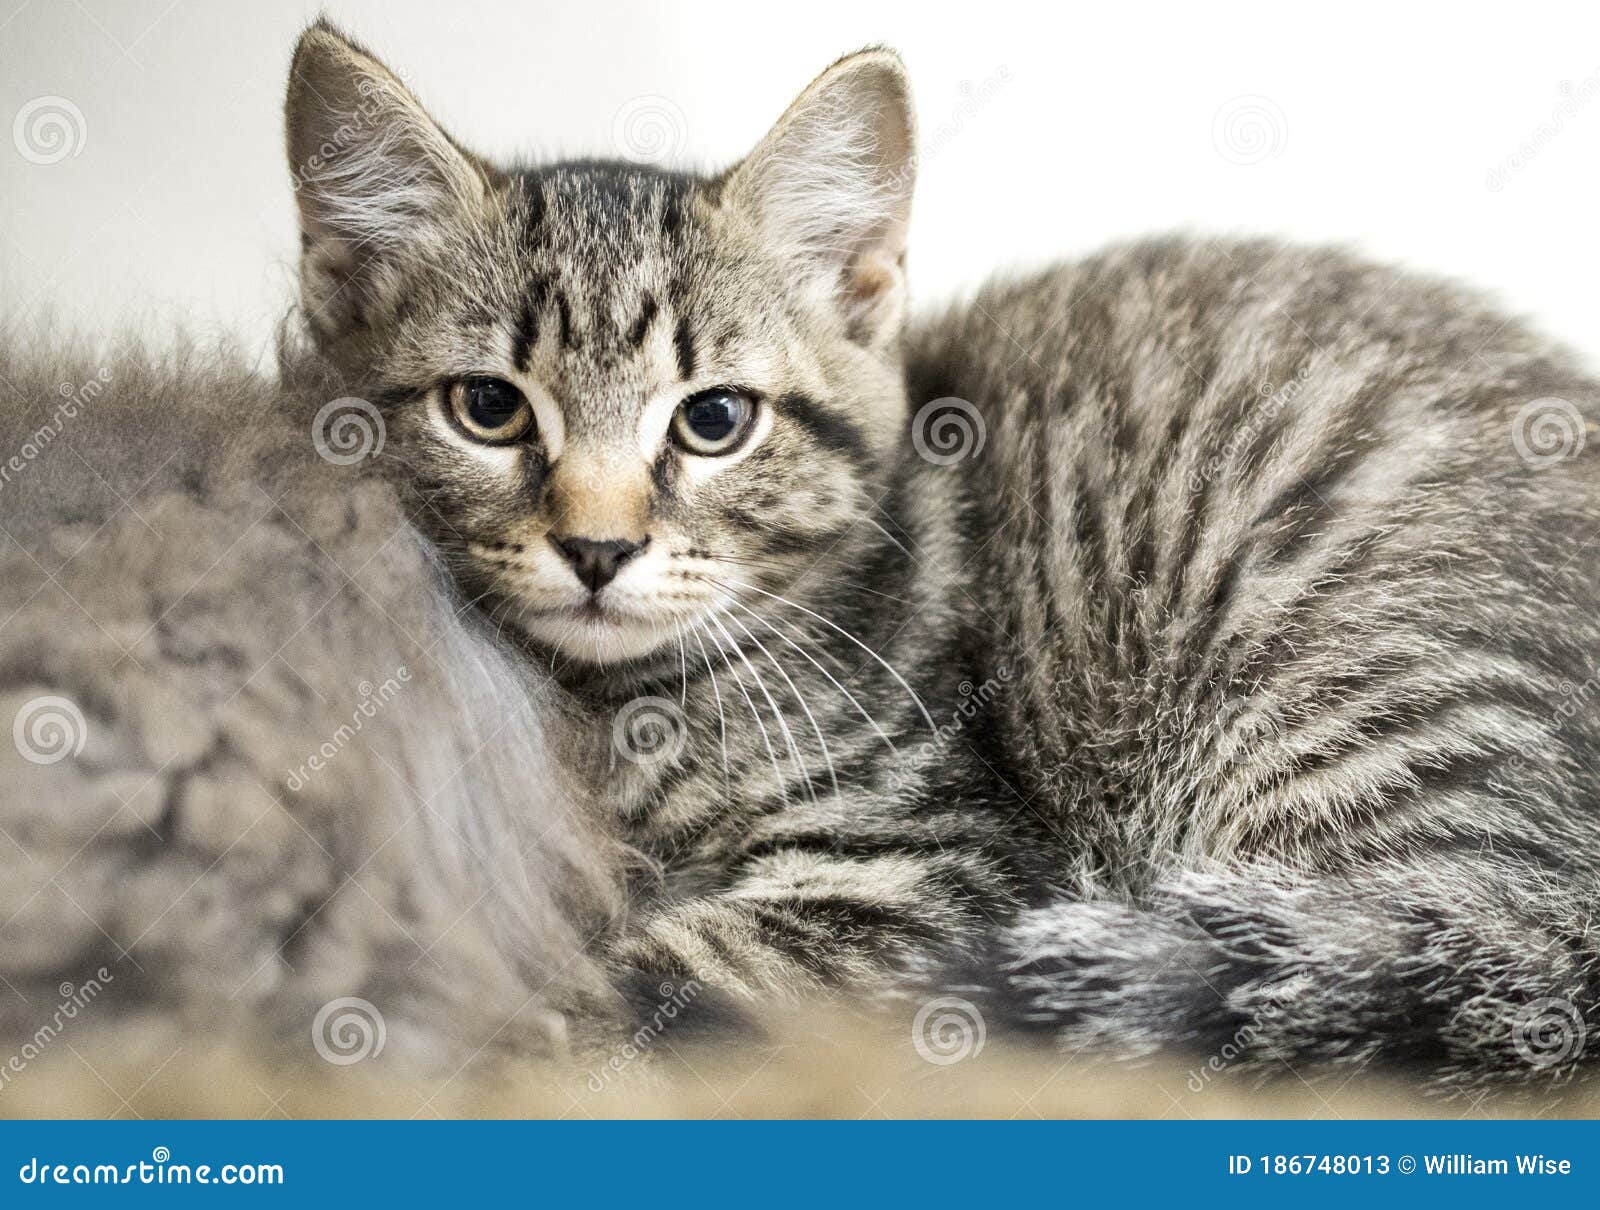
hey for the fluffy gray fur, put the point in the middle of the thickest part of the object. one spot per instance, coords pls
(216, 610)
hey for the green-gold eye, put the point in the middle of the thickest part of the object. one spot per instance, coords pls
(490, 409)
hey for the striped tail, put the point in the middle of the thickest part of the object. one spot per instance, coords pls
(1469, 973)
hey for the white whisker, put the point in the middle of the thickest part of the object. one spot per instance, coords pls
(889, 668)
(754, 713)
(722, 721)
(683, 665)
(849, 697)
(783, 725)
(890, 536)
(795, 689)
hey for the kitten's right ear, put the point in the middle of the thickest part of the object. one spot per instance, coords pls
(373, 173)
(830, 186)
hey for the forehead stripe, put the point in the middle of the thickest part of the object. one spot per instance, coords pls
(527, 334)
(683, 342)
(827, 429)
(564, 313)
(641, 326)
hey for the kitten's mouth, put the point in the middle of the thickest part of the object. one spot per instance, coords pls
(598, 631)
(593, 611)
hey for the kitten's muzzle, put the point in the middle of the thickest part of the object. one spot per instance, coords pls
(596, 563)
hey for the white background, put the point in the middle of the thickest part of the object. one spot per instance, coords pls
(1379, 126)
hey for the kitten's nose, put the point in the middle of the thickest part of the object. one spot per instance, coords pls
(597, 563)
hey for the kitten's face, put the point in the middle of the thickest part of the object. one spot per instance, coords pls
(618, 395)
(627, 370)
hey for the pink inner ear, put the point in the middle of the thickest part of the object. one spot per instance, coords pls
(873, 275)
(872, 293)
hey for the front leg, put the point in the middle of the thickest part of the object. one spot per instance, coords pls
(795, 921)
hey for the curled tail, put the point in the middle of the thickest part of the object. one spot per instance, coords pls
(1472, 972)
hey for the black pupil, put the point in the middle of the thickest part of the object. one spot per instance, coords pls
(713, 417)
(492, 403)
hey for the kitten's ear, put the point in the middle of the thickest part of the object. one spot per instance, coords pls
(831, 186)
(373, 174)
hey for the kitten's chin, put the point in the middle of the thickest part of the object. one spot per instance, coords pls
(608, 640)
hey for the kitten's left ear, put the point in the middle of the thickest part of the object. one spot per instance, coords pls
(374, 176)
(830, 186)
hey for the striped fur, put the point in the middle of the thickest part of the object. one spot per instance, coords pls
(1308, 610)
(1253, 640)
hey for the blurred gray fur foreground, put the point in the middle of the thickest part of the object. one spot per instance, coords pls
(265, 781)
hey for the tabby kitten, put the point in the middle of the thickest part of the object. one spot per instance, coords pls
(1216, 680)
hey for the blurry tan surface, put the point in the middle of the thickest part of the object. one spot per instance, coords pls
(811, 1069)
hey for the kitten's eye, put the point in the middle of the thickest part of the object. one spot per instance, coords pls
(490, 409)
(714, 422)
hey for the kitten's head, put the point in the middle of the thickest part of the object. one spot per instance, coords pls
(615, 391)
